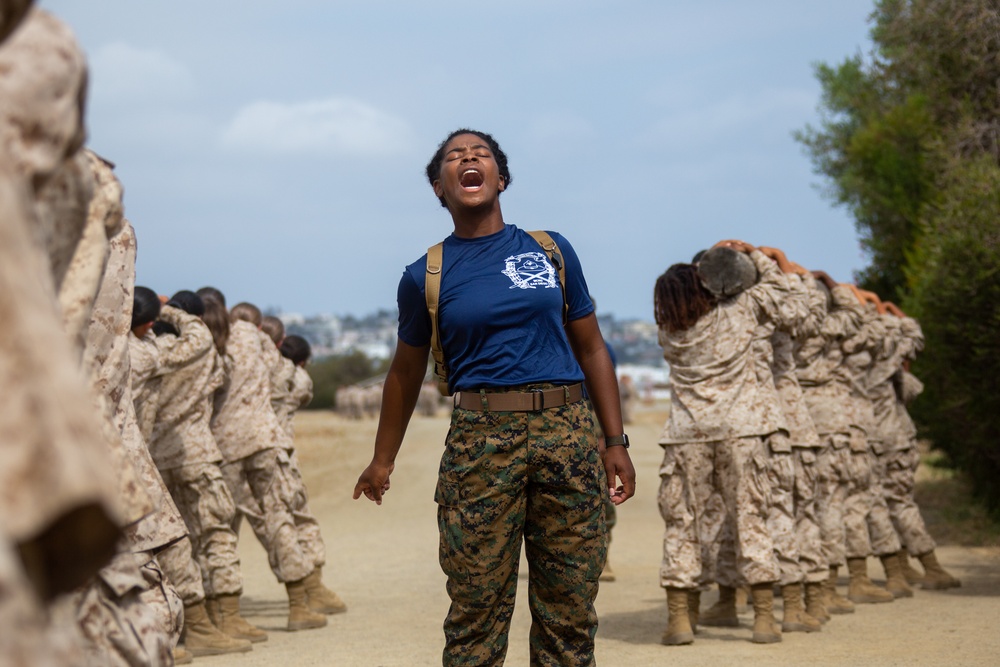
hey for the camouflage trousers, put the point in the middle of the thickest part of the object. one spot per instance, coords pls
(833, 460)
(791, 518)
(129, 615)
(206, 504)
(812, 558)
(178, 565)
(900, 468)
(868, 528)
(781, 510)
(32, 635)
(712, 492)
(306, 526)
(505, 475)
(261, 485)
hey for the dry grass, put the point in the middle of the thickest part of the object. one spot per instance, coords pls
(951, 513)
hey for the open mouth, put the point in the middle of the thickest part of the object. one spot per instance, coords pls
(471, 179)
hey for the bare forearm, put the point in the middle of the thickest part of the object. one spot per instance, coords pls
(592, 355)
(399, 397)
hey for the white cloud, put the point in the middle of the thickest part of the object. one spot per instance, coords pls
(125, 74)
(331, 127)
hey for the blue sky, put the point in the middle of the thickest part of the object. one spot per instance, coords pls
(276, 150)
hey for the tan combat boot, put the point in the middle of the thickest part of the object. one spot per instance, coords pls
(815, 606)
(895, 581)
(765, 628)
(694, 608)
(679, 629)
(936, 578)
(834, 602)
(203, 638)
(861, 589)
(743, 599)
(300, 616)
(224, 610)
(913, 576)
(321, 599)
(795, 618)
(722, 614)
(181, 656)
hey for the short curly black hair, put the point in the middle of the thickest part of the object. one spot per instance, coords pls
(434, 166)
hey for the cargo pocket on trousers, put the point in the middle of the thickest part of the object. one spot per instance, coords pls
(474, 537)
(217, 505)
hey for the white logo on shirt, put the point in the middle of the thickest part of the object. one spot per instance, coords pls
(530, 270)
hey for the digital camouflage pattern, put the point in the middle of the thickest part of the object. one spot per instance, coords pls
(808, 533)
(691, 475)
(120, 619)
(262, 488)
(508, 475)
(867, 527)
(207, 506)
(900, 470)
(243, 422)
(282, 399)
(833, 460)
(107, 355)
(715, 393)
(189, 371)
(177, 563)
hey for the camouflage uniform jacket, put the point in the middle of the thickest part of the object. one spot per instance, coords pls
(802, 431)
(244, 422)
(860, 353)
(107, 351)
(908, 387)
(280, 372)
(819, 363)
(53, 458)
(893, 433)
(714, 390)
(282, 401)
(190, 370)
(300, 396)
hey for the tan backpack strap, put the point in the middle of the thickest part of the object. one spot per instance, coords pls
(432, 294)
(552, 251)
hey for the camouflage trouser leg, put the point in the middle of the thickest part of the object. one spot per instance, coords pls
(833, 461)
(881, 530)
(119, 627)
(685, 488)
(161, 596)
(901, 467)
(691, 475)
(781, 513)
(859, 502)
(177, 563)
(807, 531)
(269, 501)
(741, 474)
(32, 635)
(504, 474)
(206, 504)
(306, 526)
(310, 538)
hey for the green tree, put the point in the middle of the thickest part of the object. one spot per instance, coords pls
(330, 373)
(909, 142)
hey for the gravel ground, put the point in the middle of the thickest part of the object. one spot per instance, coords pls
(383, 562)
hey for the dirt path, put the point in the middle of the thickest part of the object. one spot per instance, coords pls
(383, 562)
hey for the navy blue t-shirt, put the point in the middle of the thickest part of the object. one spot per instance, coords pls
(500, 310)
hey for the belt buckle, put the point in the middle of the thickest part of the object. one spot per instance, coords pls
(537, 400)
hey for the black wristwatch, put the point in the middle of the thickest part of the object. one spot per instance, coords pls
(617, 441)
